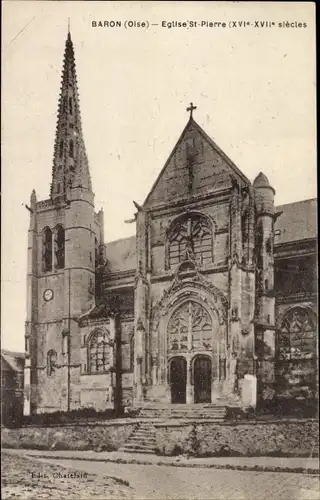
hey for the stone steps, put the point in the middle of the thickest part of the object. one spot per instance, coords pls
(208, 411)
(142, 440)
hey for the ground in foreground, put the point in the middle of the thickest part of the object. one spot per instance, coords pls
(29, 478)
(154, 482)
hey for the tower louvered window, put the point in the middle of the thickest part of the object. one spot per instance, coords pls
(190, 238)
(47, 249)
(59, 239)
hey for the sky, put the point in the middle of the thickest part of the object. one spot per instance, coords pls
(254, 88)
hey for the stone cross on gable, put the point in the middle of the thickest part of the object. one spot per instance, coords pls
(191, 108)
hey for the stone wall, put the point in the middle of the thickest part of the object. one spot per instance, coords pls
(279, 438)
(93, 436)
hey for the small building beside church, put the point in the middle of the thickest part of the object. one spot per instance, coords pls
(12, 372)
(212, 301)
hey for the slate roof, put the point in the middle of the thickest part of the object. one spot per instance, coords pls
(298, 221)
(261, 181)
(164, 190)
(121, 254)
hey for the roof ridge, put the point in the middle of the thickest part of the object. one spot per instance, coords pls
(295, 202)
(121, 239)
(7, 352)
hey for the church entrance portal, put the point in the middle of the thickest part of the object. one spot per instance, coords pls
(202, 379)
(178, 379)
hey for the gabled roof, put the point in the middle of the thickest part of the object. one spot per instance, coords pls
(212, 171)
(297, 222)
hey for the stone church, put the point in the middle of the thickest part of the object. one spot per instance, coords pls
(213, 300)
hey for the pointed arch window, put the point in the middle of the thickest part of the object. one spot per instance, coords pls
(59, 246)
(296, 351)
(296, 338)
(190, 238)
(70, 106)
(71, 149)
(99, 351)
(51, 362)
(47, 249)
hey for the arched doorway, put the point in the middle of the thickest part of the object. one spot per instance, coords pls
(202, 369)
(178, 379)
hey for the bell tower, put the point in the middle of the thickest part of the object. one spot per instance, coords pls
(64, 233)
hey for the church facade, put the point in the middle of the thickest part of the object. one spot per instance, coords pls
(213, 299)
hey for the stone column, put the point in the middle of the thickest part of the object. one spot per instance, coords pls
(30, 375)
(139, 364)
(154, 360)
(235, 273)
(112, 330)
(27, 387)
(189, 388)
(138, 380)
(142, 370)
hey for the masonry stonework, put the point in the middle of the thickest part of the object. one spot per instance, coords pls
(199, 307)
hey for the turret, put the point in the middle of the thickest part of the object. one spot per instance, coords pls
(264, 194)
(264, 207)
(265, 301)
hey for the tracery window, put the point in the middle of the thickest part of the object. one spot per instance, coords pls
(99, 356)
(47, 249)
(296, 350)
(51, 362)
(190, 327)
(59, 243)
(190, 239)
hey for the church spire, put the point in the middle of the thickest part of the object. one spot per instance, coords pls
(70, 164)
